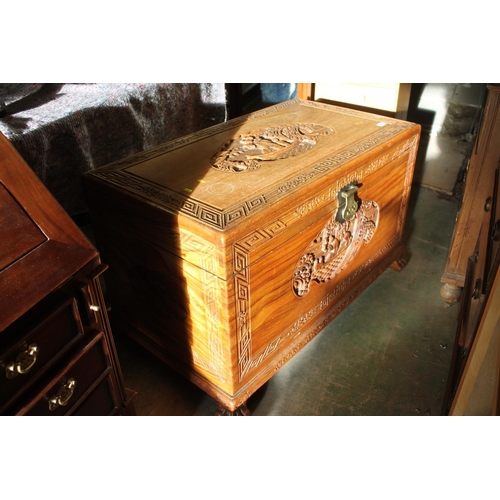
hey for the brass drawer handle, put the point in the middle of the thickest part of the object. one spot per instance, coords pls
(63, 395)
(23, 363)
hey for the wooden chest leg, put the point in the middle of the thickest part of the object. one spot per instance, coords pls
(450, 293)
(400, 263)
(241, 411)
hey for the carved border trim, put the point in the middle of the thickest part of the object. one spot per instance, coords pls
(242, 297)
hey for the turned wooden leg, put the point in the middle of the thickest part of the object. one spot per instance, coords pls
(241, 411)
(451, 293)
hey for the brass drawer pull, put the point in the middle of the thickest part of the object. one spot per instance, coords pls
(23, 363)
(63, 395)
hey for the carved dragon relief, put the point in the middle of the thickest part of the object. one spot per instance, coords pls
(248, 151)
(338, 242)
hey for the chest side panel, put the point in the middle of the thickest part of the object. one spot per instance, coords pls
(179, 305)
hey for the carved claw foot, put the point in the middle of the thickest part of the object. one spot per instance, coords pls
(450, 293)
(400, 263)
(241, 411)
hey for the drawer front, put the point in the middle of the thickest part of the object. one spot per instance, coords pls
(100, 401)
(22, 364)
(82, 374)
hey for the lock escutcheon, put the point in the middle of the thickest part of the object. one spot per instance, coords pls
(348, 204)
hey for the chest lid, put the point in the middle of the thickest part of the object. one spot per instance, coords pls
(221, 181)
(225, 173)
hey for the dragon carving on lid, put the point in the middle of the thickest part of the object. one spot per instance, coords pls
(246, 152)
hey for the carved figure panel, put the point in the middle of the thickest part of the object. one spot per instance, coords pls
(334, 247)
(249, 150)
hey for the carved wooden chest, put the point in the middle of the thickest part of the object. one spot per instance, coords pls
(231, 248)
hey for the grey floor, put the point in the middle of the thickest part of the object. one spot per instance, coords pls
(388, 353)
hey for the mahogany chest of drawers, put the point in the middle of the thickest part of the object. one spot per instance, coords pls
(57, 355)
(231, 248)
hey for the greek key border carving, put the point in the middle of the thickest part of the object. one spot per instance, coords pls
(242, 298)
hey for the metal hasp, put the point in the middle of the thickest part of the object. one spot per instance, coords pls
(348, 204)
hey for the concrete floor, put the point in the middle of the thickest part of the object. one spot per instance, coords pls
(388, 353)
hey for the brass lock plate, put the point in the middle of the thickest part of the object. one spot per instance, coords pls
(348, 202)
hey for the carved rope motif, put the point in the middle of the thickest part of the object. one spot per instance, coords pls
(334, 247)
(277, 143)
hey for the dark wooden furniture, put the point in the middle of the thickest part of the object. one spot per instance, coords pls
(478, 203)
(57, 355)
(477, 387)
(474, 254)
(231, 248)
